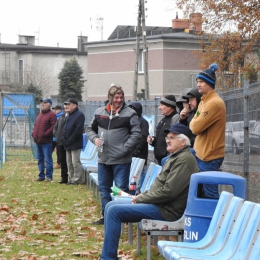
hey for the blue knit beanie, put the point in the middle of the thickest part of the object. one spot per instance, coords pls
(209, 75)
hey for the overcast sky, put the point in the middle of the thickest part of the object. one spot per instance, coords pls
(55, 22)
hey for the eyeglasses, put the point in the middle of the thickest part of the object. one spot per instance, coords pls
(170, 138)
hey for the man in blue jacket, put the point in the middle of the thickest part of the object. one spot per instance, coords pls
(58, 112)
(141, 150)
(73, 140)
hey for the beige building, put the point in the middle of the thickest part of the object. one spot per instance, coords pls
(171, 65)
(24, 63)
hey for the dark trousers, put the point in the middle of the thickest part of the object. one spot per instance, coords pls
(63, 162)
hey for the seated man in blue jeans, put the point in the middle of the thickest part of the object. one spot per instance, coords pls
(166, 200)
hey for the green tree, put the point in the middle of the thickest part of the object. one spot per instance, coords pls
(71, 81)
(34, 90)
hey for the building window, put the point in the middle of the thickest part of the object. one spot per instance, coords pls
(141, 61)
(20, 68)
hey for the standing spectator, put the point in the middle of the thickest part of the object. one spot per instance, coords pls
(58, 133)
(141, 150)
(165, 200)
(168, 109)
(209, 124)
(73, 140)
(42, 135)
(58, 112)
(181, 102)
(121, 131)
(193, 98)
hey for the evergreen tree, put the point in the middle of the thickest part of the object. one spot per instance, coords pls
(71, 81)
(36, 91)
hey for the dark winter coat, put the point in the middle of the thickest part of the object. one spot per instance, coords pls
(58, 129)
(195, 93)
(121, 133)
(57, 117)
(141, 149)
(159, 143)
(43, 127)
(73, 130)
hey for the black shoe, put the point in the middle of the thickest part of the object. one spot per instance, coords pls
(40, 179)
(72, 183)
(62, 181)
(98, 222)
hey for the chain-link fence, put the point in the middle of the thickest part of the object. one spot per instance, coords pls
(243, 136)
(242, 129)
(18, 113)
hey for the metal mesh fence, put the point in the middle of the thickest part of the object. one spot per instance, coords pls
(242, 130)
(243, 136)
(19, 113)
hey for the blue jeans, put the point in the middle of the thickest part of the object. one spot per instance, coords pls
(44, 154)
(210, 190)
(107, 174)
(123, 211)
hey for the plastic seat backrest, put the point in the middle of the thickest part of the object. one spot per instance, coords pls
(147, 176)
(249, 236)
(154, 174)
(254, 253)
(219, 240)
(165, 159)
(138, 170)
(217, 220)
(134, 164)
(89, 152)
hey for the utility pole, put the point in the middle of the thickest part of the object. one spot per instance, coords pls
(137, 50)
(141, 30)
(145, 54)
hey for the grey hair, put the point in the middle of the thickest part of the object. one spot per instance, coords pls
(186, 138)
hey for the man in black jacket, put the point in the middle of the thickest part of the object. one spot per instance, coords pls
(58, 133)
(73, 140)
(193, 98)
(141, 150)
(168, 109)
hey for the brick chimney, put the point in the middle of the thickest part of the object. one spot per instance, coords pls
(194, 23)
(180, 23)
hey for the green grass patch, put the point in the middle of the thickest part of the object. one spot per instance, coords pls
(41, 220)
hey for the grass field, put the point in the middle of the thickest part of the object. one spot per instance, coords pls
(41, 220)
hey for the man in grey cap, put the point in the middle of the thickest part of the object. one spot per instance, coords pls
(72, 140)
(42, 135)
